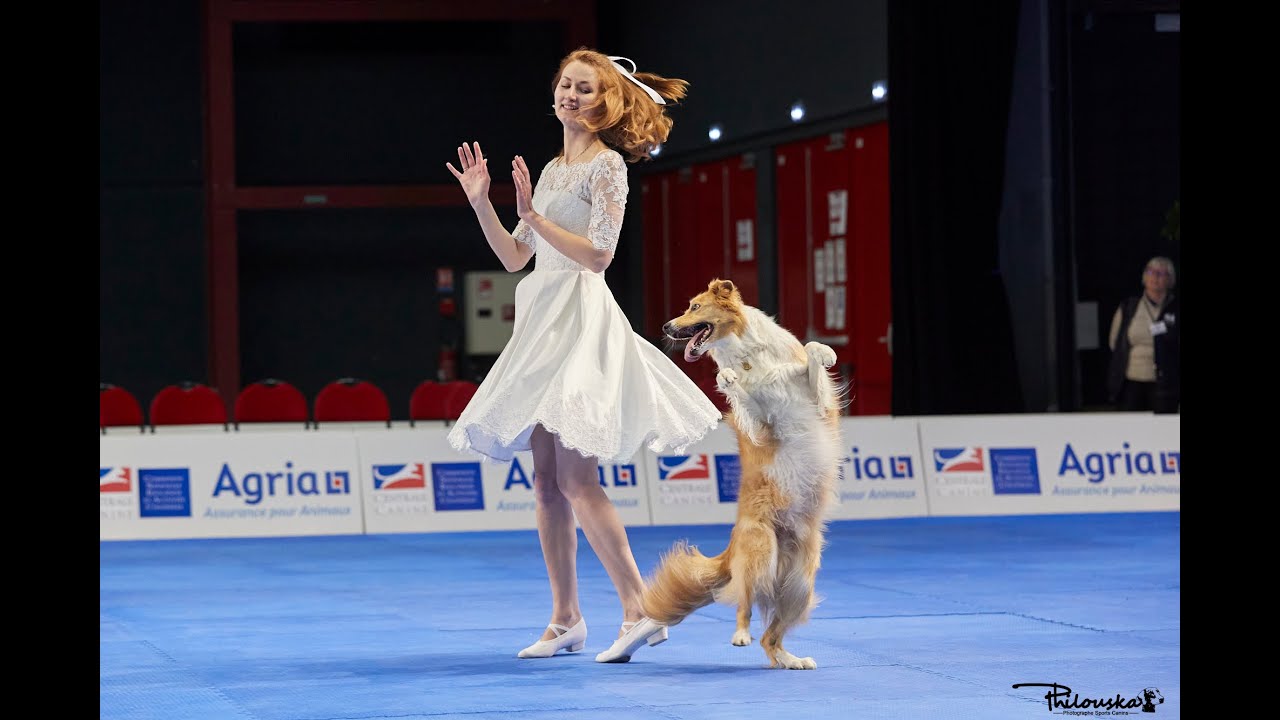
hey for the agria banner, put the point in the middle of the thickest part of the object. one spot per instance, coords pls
(319, 482)
(228, 485)
(697, 485)
(414, 481)
(880, 474)
(1086, 462)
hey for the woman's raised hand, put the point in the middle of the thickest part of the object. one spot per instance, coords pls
(474, 177)
(524, 188)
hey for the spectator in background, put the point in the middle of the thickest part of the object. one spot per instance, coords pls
(1145, 372)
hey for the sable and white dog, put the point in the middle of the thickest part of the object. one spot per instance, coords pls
(784, 409)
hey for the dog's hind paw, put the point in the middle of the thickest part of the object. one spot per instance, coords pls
(821, 354)
(741, 638)
(725, 378)
(791, 662)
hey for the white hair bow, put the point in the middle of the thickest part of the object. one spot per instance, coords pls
(651, 92)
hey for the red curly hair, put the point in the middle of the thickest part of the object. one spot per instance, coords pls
(624, 116)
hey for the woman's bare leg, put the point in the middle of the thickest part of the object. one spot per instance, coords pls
(580, 482)
(556, 532)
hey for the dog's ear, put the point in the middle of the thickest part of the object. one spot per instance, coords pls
(723, 289)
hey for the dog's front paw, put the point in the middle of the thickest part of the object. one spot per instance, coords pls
(820, 354)
(741, 638)
(725, 378)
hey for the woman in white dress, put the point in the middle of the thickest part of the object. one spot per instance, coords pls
(575, 385)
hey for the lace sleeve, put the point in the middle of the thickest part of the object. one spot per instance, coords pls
(524, 234)
(608, 185)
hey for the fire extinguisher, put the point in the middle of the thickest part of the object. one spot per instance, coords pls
(447, 366)
(447, 363)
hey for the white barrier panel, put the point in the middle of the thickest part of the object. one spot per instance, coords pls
(414, 481)
(228, 485)
(881, 475)
(698, 486)
(245, 484)
(1044, 464)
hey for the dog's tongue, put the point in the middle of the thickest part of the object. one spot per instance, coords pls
(688, 349)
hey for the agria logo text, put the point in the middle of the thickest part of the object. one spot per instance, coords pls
(254, 485)
(875, 467)
(1098, 466)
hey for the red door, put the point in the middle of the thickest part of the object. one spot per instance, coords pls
(871, 301)
(653, 190)
(742, 257)
(671, 261)
(833, 254)
(724, 196)
(791, 198)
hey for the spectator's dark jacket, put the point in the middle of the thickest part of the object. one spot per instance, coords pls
(1167, 350)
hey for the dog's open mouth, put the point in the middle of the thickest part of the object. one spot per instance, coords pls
(698, 334)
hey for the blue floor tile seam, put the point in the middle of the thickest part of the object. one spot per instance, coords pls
(895, 615)
(907, 593)
(402, 716)
(157, 650)
(1052, 622)
(964, 681)
(632, 706)
(1099, 588)
(627, 708)
(186, 670)
(1022, 698)
(939, 598)
(416, 715)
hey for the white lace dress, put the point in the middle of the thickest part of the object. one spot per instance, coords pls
(573, 363)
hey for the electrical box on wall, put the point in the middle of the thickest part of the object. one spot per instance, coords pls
(490, 300)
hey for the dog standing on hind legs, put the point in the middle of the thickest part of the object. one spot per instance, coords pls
(784, 407)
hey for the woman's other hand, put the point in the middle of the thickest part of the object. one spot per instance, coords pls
(524, 189)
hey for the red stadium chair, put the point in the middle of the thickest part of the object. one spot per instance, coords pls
(428, 402)
(459, 394)
(271, 404)
(353, 402)
(188, 406)
(118, 409)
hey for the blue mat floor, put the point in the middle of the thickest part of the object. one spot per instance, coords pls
(920, 618)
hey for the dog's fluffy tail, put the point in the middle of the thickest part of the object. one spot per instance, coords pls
(684, 581)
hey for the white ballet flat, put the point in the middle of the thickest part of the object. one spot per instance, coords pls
(573, 639)
(634, 634)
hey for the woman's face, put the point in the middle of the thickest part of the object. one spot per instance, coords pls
(576, 88)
